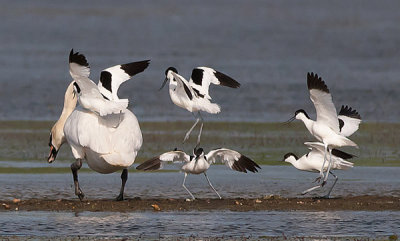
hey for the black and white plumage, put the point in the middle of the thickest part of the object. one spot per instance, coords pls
(329, 128)
(107, 143)
(200, 162)
(313, 161)
(102, 98)
(193, 95)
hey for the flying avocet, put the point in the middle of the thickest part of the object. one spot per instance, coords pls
(329, 128)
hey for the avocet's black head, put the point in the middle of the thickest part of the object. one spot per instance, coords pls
(301, 111)
(287, 156)
(296, 116)
(166, 75)
(173, 69)
(198, 151)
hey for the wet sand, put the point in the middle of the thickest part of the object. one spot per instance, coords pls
(269, 203)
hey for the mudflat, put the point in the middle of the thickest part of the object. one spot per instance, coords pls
(276, 203)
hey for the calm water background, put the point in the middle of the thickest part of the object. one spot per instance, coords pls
(268, 46)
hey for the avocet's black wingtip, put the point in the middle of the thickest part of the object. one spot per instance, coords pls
(349, 112)
(135, 67)
(77, 58)
(316, 82)
(225, 80)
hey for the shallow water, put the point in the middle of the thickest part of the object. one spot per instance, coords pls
(278, 180)
(268, 46)
(200, 224)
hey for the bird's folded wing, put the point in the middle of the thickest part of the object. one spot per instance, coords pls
(111, 78)
(183, 85)
(202, 77)
(349, 120)
(322, 99)
(158, 162)
(232, 159)
(319, 147)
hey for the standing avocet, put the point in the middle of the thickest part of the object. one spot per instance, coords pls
(329, 128)
(200, 162)
(193, 95)
(314, 162)
(101, 130)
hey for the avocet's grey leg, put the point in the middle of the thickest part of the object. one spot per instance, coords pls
(334, 183)
(329, 167)
(321, 172)
(311, 189)
(183, 185)
(74, 168)
(201, 129)
(191, 129)
(124, 178)
(209, 183)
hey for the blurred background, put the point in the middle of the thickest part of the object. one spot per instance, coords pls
(268, 46)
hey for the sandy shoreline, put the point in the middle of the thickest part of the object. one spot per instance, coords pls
(276, 203)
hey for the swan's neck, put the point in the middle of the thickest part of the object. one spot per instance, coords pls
(57, 131)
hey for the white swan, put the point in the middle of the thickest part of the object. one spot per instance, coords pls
(108, 142)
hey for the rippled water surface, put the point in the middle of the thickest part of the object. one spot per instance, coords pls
(201, 224)
(279, 180)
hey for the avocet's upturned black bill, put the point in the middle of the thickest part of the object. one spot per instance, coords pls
(199, 162)
(193, 95)
(102, 131)
(313, 161)
(329, 127)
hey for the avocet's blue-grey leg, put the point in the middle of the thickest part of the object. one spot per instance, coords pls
(334, 183)
(74, 168)
(183, 185)
(191, 129)
(201, 129)
(321, 172)
(124, 178)
(329, 167)
(311, 189)
(209, 183)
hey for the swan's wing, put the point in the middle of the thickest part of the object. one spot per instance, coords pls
(322, 99)
(111, 78)
(349, 120)
(157, 163)
(182, 84)
(202, 77)
(78, 65)
(232, 159)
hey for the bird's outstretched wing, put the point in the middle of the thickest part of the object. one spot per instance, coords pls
(322, 99)
(232, 159)
(78, 65)
(157, 163)
(202, 77)
(349, 120)
(88, 93)
(111, 78)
